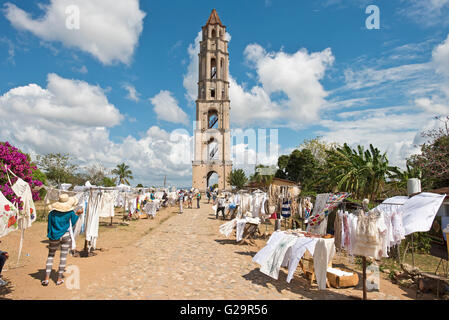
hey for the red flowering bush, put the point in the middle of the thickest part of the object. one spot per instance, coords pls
(20, 164)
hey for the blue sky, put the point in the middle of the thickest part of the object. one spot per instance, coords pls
(117, 89)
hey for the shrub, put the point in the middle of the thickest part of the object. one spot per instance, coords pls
(20, 164)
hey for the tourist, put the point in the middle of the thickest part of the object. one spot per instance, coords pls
(214, 197)
(208, 196)
(145, 202)
(61, 220)
(181, 200)
(198, 198)
(221, 207)
(3, 257)
(152, 197)
(189, 199)
(165, 199)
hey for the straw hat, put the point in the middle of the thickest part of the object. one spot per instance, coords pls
(64, 204)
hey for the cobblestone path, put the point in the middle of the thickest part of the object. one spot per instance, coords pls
(187, 258)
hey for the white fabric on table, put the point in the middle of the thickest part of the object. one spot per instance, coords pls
(226, 228)
(324, 252)
(297, 252)
(266, 251)
(272, 265)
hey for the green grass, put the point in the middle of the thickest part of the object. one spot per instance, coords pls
(425, 263)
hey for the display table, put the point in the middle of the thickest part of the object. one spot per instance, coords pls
(288, 249)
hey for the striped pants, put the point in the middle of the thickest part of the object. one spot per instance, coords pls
(65, 243)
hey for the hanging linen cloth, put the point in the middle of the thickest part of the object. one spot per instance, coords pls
(286, 209)
(28, 213)
(419, 212)
(226, 228)
(93, 219)
(83, 200)
(150, 208)
(23, 190)
(324, 205)
(107, 205)
(8, 216)
(368, 238)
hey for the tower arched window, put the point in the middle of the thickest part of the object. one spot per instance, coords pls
(213, 68)
(222, 69)
(212, 149)
(212, 119)
(214, 33)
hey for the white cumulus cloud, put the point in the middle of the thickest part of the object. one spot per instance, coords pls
(72, 116)
(440, 57)
(295, 76)
(167, 109)
(109, 30)
(133, 94)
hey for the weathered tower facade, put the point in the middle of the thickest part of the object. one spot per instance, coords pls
(212, 131)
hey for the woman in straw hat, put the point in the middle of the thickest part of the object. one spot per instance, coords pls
(61, 220)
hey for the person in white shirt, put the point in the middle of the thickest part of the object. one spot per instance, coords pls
(221, 203)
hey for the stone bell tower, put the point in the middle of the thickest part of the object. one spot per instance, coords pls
(212, 133)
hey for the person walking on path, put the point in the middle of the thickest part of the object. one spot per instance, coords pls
(221, 206)
(198, 198)
(181, 200)
(61, 221)
(165, 200)
(3, 257)
(190, 199)
(208, 196)
(214, 197)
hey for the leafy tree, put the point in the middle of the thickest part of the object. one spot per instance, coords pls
(300, 166)
(96, 174)
(108, 182)
(318, 148)
(433, 160)
(139, 186)
(57, 167)
(237, 178)
(39, 175)
(400, 178)
(264, 179)
(123, 173)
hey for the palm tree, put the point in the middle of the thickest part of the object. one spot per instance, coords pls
(123, 173)
(399, 178)
(363, 173)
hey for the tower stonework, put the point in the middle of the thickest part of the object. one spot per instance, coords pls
(212, 131)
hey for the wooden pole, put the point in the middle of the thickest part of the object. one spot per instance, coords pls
(413, 253)
(364, 277)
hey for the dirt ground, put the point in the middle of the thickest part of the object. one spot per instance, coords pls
(161, 259)
(116, 243)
